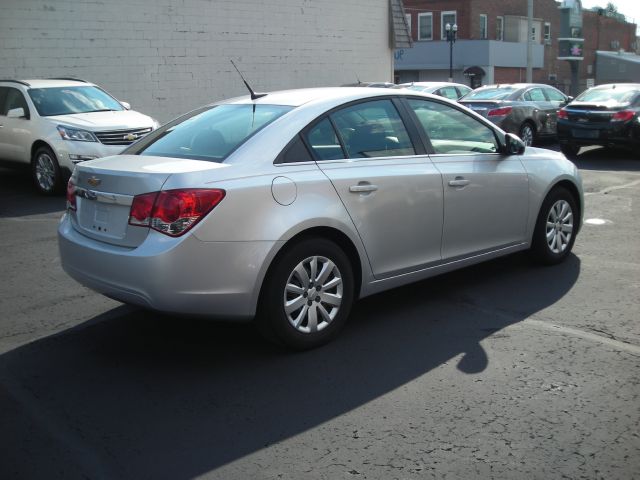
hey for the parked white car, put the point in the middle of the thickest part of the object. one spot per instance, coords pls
(54, 124)
(452, 91)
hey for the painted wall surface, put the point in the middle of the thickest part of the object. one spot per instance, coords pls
(167, 57)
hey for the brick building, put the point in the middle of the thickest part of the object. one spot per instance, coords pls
(492, 36)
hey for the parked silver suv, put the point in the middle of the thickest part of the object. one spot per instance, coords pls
(56, 123)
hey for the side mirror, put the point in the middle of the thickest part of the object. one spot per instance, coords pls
(126, 105)
(513, 144)
(16, 113)
(569, 99)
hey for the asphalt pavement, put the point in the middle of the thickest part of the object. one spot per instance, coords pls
(502, 370)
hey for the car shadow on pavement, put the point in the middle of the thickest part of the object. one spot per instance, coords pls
(133, 394)
(18, 196)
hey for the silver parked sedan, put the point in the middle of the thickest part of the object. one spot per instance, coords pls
(289, 207)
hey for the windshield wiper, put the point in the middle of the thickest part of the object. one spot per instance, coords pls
(102, 110)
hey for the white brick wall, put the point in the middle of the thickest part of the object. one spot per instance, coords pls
(166, 57)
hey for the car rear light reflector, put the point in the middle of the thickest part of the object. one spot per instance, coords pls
(173, 212)
(563, 114)
(499, 112)
(71, 195)
(623, 116)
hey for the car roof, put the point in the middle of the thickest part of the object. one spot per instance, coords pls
(298, 97)
(616, 85)
(48, 83)
(514, 85)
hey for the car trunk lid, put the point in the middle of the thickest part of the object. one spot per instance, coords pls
(105, 188)
(593, 112)
(483, 108)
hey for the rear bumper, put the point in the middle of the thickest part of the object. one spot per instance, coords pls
(184, 275)
(625, 134)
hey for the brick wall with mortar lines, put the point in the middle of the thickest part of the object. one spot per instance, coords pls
(167, 57)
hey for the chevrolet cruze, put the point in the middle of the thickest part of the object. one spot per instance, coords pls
(288, 207)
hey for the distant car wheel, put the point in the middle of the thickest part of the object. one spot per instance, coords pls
(556, 227)
(307, 296)
(527, 134)
(46, 172)
(570, 150)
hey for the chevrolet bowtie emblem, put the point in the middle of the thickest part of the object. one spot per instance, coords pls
(94, 181)
(130, 136)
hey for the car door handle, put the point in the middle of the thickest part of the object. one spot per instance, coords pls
(458, 182)
(363, 188)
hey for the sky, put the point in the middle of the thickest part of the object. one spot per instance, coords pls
(629, 8)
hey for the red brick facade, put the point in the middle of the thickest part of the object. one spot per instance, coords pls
(598, 32)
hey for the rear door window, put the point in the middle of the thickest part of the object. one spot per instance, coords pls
(448, 92)
(324, 142)
(373, 129)
(534, 95)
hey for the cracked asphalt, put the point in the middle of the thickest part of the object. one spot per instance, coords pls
(503, 370)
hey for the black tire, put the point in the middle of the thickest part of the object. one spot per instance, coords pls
(543, 247)
(274, 322)
(570, 150)
(527, 134)
(46, 172)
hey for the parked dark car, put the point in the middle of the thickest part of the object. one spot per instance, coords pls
(606, 115)
(527, 109)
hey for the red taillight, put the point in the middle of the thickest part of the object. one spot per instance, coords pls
(563, 114)
(173, 212)
(498, 112)
(623, 116)
(71, 195)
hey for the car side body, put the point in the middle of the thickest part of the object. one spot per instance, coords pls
(398, 218)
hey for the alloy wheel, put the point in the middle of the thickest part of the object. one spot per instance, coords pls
(313, 294)
(559, 227)
(526, 135)
(45, 172)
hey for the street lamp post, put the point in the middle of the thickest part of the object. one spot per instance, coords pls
(451, 38)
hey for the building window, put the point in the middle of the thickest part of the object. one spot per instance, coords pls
(533, 34)
(447, 17)
(408, 19)
(500, 28)
(483, 26)
(425, 26)
(547, 32)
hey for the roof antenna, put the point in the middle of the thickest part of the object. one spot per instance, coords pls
(254, 95)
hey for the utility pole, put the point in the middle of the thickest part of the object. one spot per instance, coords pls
(529, 41)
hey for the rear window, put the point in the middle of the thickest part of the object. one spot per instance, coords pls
(212, 134)
(619, 94)
(490, 94)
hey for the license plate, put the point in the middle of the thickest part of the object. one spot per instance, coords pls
(585, 133)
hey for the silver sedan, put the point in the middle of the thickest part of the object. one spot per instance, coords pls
(289, 207)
